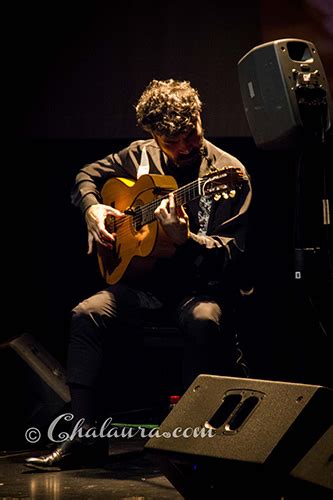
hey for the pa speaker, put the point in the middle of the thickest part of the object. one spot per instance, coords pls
(285, 93)
(248, 437)
(34, 390)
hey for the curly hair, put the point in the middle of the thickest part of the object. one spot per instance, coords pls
(168, 107)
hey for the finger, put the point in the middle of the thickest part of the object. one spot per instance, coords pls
(163, 214)
(101, 230)
(108, 210)
(90, 243)
(114, 212)
(103, 240)
(172, 204)
(181, 212)
(161, 211)
(164, 204)
(106, 237)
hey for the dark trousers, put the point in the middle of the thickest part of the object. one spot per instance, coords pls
(97, 321)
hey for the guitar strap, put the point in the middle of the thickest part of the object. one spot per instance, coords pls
(144, 163)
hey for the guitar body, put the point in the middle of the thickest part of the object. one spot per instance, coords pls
(138, 245)
(140, 239)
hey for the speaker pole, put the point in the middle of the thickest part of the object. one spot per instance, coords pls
(288, 107)
(312, 102)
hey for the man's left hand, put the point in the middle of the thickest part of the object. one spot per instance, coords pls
(174, 220)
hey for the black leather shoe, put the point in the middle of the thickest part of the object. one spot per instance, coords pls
(73, 454)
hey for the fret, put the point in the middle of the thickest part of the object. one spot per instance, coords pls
(145, 214)
(131, 241)
(182, 196)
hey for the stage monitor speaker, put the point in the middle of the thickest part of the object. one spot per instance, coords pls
(248, 437)
(34, 390)
(285, 93)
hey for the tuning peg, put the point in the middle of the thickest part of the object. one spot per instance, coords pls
(225, 195)
(217, 197)
(232, 193)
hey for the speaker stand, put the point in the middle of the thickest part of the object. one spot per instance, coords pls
(313, 268)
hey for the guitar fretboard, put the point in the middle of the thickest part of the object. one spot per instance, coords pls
(182, 196)
(219, 182)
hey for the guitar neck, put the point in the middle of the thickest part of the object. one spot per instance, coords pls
(182, 195)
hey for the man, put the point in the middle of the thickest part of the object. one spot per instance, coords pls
(197, 280)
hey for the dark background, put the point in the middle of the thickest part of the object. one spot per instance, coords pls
(74, 76)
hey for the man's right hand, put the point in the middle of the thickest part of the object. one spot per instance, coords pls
(95, 218)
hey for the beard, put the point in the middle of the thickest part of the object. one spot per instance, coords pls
(194, 158)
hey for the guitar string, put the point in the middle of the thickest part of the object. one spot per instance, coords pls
(121, 229)
(191, 188)
(148, 210)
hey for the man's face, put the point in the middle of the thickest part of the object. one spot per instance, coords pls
(183, 149)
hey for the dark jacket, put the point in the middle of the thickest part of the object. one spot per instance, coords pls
(210, 258)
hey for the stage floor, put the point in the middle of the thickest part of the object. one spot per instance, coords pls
(128, 474)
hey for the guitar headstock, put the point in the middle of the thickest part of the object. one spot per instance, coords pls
(224, 182)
